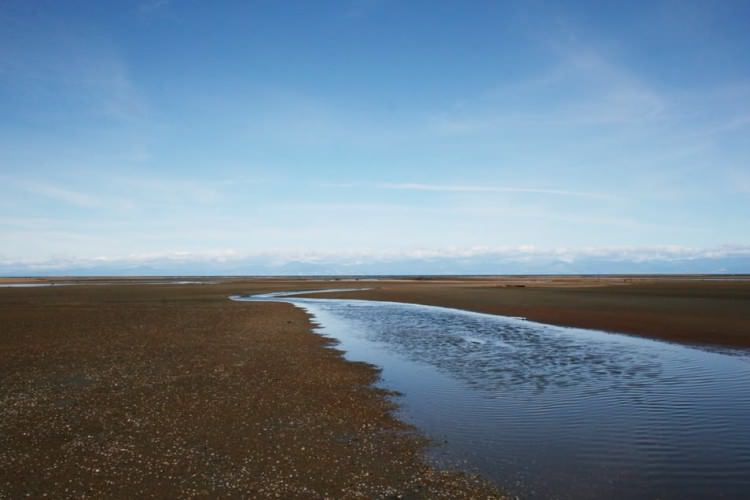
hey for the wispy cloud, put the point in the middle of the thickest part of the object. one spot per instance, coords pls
(491, 189)
(172, 191)
(64, 195)
(361, 8)
(468, 188)
(91, 189)
(85, 72)
(740, 179)
(70, 196)
(150, 6)
(583, 88)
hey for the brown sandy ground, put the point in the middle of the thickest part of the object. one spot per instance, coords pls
(173, 391)
(690, 309)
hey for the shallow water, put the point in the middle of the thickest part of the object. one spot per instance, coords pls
(552, 412)
(105, 283)
(28, 285)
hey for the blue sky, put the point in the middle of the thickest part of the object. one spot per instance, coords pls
(372, 130)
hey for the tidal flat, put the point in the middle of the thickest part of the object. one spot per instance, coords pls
(163, 387)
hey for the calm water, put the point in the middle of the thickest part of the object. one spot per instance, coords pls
(551, 412)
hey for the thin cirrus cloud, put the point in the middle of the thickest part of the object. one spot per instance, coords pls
(464, 188)
(584, 88)
(70, 196)
(119, 193)
(69, 73)
(151, 6)
(491, 189)
(63, 195)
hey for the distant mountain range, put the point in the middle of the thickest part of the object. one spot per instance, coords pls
(724, 260)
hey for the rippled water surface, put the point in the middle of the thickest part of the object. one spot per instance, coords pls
(551, 412)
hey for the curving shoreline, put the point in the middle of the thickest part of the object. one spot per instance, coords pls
(691, 310)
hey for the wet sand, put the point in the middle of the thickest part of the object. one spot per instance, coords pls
(166, 390)
(712, 310)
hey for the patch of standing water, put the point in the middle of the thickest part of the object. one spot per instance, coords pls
(552, 412)
(29, 285)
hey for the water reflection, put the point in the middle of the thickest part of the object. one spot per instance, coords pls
(493, 353)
